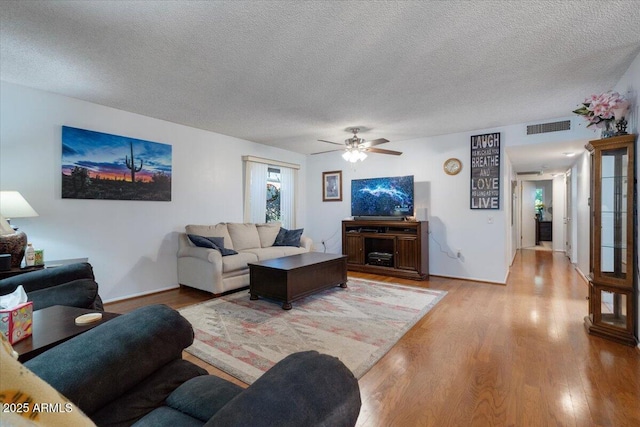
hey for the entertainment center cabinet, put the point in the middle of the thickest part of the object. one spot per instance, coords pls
(393, 248)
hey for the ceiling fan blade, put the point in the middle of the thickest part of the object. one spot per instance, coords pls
(331, 142)
(381, 151)
(322, 152)
(374, 142)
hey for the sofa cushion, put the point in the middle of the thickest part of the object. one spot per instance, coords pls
(244, 236)
(288, 237)
(275, 252)
(218, 230)
(237, 262)
(268, 233)
(216, 243)
(147, 395)
(166, 416)
(202, 397)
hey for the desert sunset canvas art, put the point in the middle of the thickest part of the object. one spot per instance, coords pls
(98, 165)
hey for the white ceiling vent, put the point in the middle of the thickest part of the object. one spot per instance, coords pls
(549, 127)
(529, 173)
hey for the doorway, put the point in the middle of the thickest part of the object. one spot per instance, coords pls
(536, 214)
(568, 214)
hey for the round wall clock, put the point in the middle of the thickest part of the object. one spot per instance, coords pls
(452, 166)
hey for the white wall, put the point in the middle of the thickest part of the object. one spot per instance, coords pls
(581, 173)
(487, 248)
(132, 245)
(512, 202)
(559, 191)
(572, 230)
(629, 85)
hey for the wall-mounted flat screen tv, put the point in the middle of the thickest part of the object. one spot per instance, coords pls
(382, 197)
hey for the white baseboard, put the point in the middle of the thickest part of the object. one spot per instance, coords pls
(472, 279)
(584, 276)
(141, 294)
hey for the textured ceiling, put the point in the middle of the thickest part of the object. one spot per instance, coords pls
(289, 73)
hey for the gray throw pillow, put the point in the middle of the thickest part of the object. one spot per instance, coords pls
(288, 237)
(216, 243)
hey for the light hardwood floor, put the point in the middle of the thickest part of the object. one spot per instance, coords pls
(492, 355)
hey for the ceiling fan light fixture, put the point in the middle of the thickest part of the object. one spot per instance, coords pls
(353, 155)
(356, 147)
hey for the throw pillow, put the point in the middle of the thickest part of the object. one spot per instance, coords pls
(288, 237)
(218, 230)
(216, 243)
(206, 242)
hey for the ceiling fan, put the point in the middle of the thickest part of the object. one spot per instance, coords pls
(356, 147)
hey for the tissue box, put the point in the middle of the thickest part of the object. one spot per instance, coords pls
(16, 322)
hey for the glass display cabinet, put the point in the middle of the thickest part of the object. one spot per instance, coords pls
(612, 279)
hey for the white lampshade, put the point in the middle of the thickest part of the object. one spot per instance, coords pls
(13, 205)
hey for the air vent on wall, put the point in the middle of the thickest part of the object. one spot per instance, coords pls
(549, 127)
(529, 173)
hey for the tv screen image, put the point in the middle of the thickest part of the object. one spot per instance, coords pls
(387, 197)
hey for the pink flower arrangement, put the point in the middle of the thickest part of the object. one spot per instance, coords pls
(601, 110)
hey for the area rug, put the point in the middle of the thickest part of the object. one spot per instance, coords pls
(358, 325)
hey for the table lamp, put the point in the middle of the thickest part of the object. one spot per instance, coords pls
(12, 241)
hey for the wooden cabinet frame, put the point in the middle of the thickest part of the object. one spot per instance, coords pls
(613, 248)
(406, 241)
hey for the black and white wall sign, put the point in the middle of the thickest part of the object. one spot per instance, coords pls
(485, 171)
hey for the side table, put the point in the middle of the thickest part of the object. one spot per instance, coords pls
(52, 326)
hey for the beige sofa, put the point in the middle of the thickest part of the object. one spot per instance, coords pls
(208, 270)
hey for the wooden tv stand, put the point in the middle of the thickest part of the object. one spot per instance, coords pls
(392, 248)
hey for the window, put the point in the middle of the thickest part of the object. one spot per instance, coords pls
(273, 195)
(270, 189)
(539, 201)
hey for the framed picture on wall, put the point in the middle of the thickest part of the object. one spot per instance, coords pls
(98, 165)
(485, 171)
(332, 186)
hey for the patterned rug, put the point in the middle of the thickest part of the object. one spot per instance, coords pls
(358, 325)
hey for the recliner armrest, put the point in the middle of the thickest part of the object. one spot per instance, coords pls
(47, 277)
(303, 389)
(81, 293)
(105, 362)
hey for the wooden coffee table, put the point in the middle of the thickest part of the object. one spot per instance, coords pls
(292, 277)
(52, 326)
